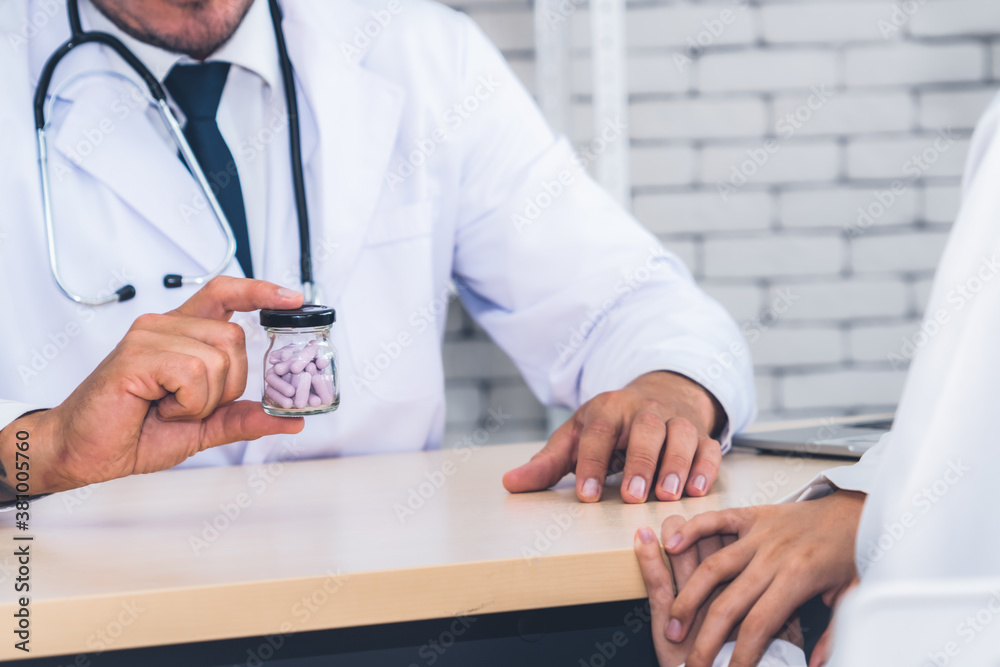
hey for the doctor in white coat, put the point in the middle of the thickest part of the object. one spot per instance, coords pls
(426, 165)
(916, 508)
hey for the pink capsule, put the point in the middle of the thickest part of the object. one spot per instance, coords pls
(311, 368)
(282, 368)
(302, 382)
(315, 401)
(301, 359)
(282, 386)
(323, 385)
(282, 354)
(322, 362)
(277, 398)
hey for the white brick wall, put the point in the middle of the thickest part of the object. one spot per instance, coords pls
(893, 81)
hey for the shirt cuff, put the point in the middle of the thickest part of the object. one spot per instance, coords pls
(859, 477)
(779, 654)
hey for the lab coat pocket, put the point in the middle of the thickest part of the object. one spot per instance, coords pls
(391, 309)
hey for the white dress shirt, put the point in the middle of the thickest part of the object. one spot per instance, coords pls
(252, 116)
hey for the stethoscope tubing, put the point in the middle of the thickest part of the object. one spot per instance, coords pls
(157, 98)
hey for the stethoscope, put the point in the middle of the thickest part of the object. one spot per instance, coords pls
(158, 99)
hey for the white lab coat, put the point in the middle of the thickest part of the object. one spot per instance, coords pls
(931, 482)
(578, 294)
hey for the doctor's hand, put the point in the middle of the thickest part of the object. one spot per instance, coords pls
(661, 422)
(165, 393)
(783, 556)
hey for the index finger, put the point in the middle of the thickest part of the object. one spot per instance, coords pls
(722, 522)
(224, 295)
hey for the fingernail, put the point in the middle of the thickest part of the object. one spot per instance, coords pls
(700, 483)
(674, 630)
(671, 484)
(646, 535)
(673, 541)
(637, 487)
(591, 488)
(286, 293)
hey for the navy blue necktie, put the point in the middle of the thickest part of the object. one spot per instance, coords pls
(197, 90)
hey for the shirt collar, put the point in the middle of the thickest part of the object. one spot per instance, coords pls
(252, 47)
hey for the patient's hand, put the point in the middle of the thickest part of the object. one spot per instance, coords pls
(661, 582)
(783, 556)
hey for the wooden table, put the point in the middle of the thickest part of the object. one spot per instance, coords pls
(215, 553)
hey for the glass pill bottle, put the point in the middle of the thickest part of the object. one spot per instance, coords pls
(300, 364)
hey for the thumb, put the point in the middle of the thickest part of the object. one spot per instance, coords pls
(548, 466)
(821, 654)
(245, 420)
(223, 296)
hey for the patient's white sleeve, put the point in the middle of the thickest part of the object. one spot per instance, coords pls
(779, 654)
(857, 477)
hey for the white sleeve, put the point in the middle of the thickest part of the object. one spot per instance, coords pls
(858, 477)
(779, 654)
(582, 297)
(9, 411)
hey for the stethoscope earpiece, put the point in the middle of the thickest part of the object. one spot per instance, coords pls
(125, 293)
(173, 280)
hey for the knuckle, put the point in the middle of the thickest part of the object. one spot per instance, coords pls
(602, 426)
(193, 366)
(148, 321)
(677, 461)
(647, 420)
(724, 609)
(642, 459)
(682, 428)
(235, 336)
(592, 461)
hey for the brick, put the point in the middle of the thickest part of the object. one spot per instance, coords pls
(471, 359)
(463, 403)
(773, 69)
(941, 203)
(703, 211)
(898, 252)
(525, 72)
(662, 165)
(822, 22)
(788, 347)
(955, 109)
(518, 401)
(508, 30)
(957, 17)
(774, 256)
(838, 207)
(906, 158)
(696, 118)
(744, 302)
(845, 389)
(686, 250)
(681, 24)
(765, 393)
(843, 113)
(645, 73)
(907, 64)
(922, 293)
(673, 26)
(792, 162)
(845, 299)
(875, 343)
